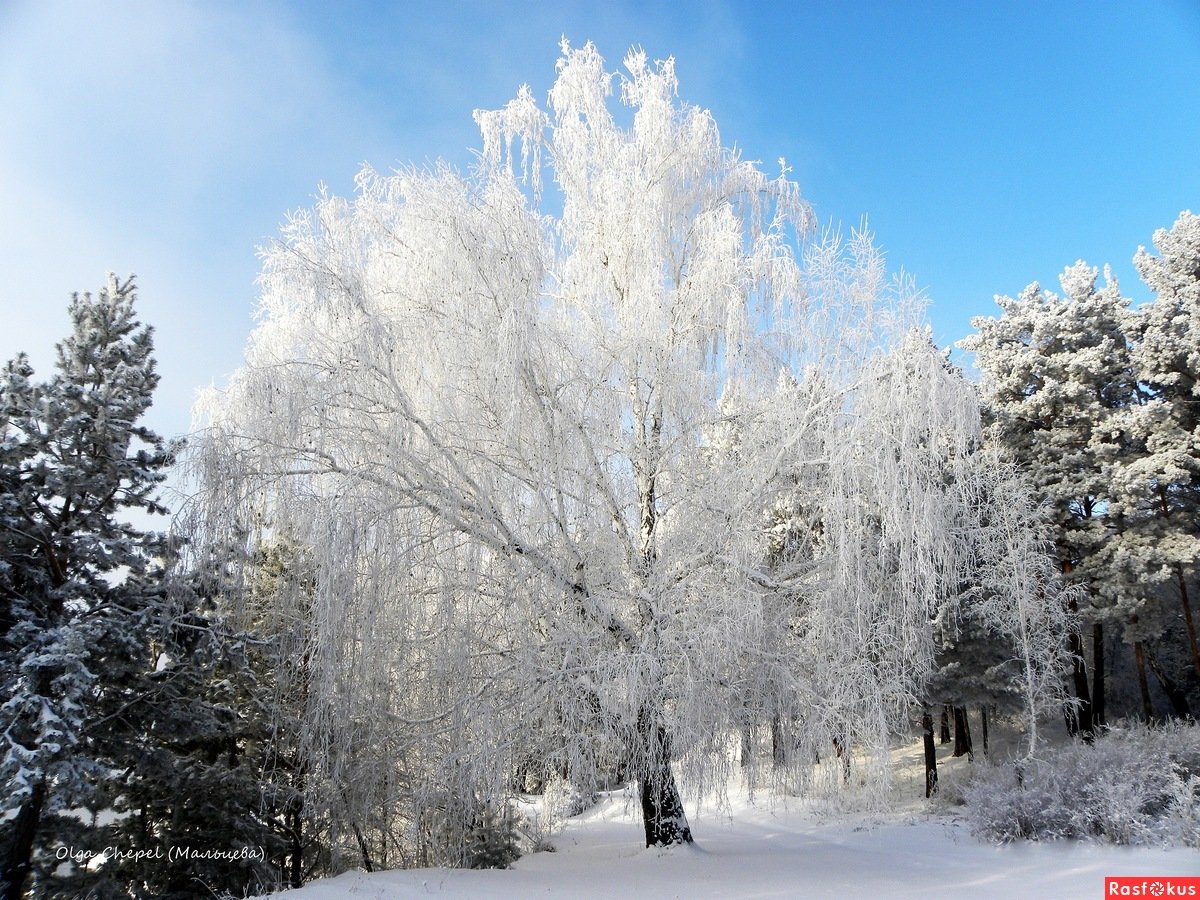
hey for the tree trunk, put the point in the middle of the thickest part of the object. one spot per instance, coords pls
(295, 863)
(779, 748)
(364, 850)
(1179, 703)
(930, 754)
(841, 750)
(1079, 713)
(662, 808)
(1181, 581)
(18, 861)
(962, 733)
(944, 735)
(1098, 676)
(1139, 659)
(983, 721)
(1187, 618)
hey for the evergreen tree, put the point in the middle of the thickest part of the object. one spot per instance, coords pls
(78, 583)
(195, 806)
(281, 591)
(1056, 382)
(1162, 487)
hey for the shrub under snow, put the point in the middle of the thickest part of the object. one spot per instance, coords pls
(1134, 785)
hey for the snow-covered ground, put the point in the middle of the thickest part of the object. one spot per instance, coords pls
(756, 849)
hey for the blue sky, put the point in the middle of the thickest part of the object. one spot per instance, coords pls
(990, 145)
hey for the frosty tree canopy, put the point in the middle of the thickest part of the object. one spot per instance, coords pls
(595, 492)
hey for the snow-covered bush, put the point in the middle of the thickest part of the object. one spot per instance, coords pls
(492, 843)
(537, 822)
(563, 800)
(471, 835)
(1134, 785)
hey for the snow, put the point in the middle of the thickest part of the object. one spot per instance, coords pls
(758, 852)
(757, 848)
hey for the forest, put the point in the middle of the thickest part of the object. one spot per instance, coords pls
(603, 466)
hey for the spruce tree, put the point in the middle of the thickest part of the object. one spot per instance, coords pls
(194, 805)
(78, 582)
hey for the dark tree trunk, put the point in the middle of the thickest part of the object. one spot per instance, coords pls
(18, 860)
(962, 733)
(944, 733)
(1098, 675)
(983, 721)
(1078, 713)
(930, 754)
(364, 850)
(1181, 580)
(1139, 659)
(662, 809)
(1187, 618)
(1178, 698)
(779, 752)
(295, 863)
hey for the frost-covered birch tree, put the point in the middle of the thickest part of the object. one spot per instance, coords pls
(535, 426)
(1014, 591)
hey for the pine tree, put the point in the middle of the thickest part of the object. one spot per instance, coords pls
(78, 583)
(1056, 382)
(1162, 487)
(195, 803)
(281, 592)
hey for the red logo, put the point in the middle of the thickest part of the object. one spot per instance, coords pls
(1152, 886)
